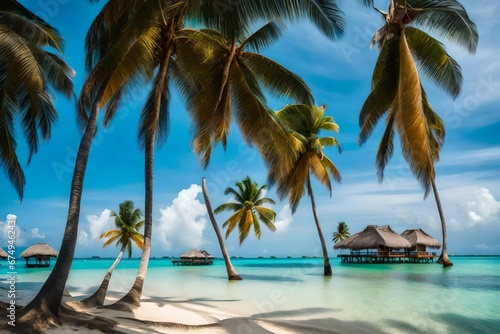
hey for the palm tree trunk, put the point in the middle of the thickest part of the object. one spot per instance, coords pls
(232, 275)
(133, 298)
(443, 259)
(97, 299)
(326, 259)
(43, 311)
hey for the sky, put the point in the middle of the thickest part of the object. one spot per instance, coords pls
(338, 73)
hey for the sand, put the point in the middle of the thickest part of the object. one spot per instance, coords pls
(159, 315)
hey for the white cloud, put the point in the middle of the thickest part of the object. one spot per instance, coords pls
(484, 209)
(98, 224)
(283, 219)
(182, 223)
(35, 233)
(475, 217)
(482, 246)
(83, 238)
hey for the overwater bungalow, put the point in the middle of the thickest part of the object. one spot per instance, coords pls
(38, 255)
(374, 244)
(419, 241)
(194, 257)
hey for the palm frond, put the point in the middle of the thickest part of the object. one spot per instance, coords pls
(384, 89)
(435, 63)
(410, 119)
(449, 19)
(233, 220)
(385, 148)
(264, 37)
(228, 207)
(319, 171)
(277, 79)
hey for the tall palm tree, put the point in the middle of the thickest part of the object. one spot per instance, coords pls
(305, 123)
(128, 221)
(112, 34)
(248, 209)
(232, 275)
(27, 70)
(397, 90)
(342, 232)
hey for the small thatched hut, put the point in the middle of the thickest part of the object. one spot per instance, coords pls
(3, 254)
(419, 241)
(374, 242)
(40, 253)
(194, 257)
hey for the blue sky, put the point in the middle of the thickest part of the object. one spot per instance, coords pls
(338, 74)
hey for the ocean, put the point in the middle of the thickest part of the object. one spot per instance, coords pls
(383, 298)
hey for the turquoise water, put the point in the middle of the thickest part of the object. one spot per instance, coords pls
(385, 298)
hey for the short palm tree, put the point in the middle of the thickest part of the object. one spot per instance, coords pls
(128, 221)
(342, 232)
(248, 209)
(27, 70)
(397, 90)
(305, 123)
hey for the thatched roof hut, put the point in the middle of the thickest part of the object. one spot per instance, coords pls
(195, 254)
(3, 254)
(194, 257)
(417, 237)
(41, 253)
(374, 237)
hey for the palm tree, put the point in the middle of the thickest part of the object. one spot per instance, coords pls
(232, 275)
(128, 222)
(248, 209)
(397, 91)
(305, 123)
(27, 70)
(122, 26)
(342, 232)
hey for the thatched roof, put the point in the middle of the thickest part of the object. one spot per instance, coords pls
(39, 250)
(194, 254)
(372, 237)
(3, 254)
(419, 237)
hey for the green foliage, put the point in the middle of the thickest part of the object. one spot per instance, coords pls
(128, 221)
(248, 209)
(27, 70)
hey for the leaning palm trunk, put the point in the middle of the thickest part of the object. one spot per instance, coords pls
(443, 259)
(43, 311)
(326, 258)
(232, 275)
(97, 299)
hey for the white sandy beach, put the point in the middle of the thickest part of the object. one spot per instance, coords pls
(160, 315)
